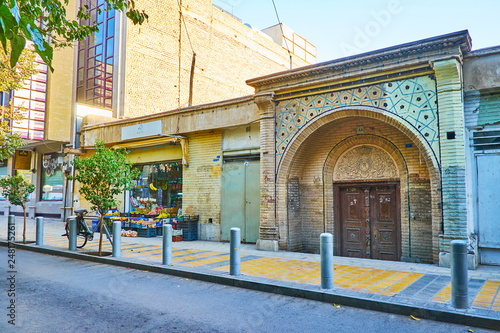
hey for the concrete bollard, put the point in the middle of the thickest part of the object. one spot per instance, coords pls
(326, 252)
(167, 244)
(39, 231)
(11, 228)
(72, 234)
(117, 239)
(459, 278)
(235, 254)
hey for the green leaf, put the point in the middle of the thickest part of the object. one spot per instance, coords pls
(3, 40)
(17, 43)
(8, 21)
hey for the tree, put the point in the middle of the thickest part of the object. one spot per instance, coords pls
(103, 176)
(20, 21)
(12, 78)
(17, 191)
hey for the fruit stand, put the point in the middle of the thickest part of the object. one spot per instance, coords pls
(185, 227)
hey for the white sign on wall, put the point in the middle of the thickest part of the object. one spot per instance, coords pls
(141, 130)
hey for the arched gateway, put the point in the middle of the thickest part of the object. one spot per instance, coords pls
(366, 177)
(361, 148)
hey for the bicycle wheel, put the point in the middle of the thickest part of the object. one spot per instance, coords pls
(81, 238)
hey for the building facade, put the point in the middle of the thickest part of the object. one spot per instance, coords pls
(377, 149)
(373, 153)
(482, 143)
(128, 71)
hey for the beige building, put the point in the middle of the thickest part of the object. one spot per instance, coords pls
(128, 71)
(369, 148)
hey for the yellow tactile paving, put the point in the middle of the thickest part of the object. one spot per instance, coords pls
(207, 261)
(369, 280)
(401, 284)
(141, 249)
(485, 298)
(496, 303)
(351, 277)
(389, 278)
(278, 269)
(366, 280)
(145, 253)
(195, 256)
(444, 296)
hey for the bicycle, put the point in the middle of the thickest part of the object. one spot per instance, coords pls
(83, 232)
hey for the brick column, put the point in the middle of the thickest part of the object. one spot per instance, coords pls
(268, 231)
(452, 136)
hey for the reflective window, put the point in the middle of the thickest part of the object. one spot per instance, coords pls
(95, 76)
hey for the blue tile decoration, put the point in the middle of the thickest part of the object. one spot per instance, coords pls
(414, 100)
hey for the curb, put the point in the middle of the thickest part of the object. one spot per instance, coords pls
(281, 288)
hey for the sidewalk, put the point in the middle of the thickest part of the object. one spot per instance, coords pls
(419, 289)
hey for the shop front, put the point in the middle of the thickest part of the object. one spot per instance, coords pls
(158, 187)
(155, 196)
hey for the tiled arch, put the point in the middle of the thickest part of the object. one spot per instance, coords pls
(412, 100)
(415, 136)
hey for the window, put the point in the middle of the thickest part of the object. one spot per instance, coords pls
(486, 140)
(96, 58)
(158, 186)
(52, 177)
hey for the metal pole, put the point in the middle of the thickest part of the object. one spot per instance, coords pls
(326, 252)
(235, 254)
(72, 234)
(459, 279)
(167, 244)
(117, 239)
(11, 230)
(39, 231)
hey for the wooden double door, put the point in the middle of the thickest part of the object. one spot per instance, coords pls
(368, 221)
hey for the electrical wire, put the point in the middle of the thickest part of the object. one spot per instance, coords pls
(282, 33)
(185, 27)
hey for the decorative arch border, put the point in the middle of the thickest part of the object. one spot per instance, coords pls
(430, 158)
(412, 100)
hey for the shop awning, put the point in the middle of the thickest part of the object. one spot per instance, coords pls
(146, 143)
(155, 142)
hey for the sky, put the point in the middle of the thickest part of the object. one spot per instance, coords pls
(340, 28)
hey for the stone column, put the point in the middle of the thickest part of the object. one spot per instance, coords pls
(452, 140)
(268, 231)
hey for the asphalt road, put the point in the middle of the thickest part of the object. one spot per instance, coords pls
(54, 294)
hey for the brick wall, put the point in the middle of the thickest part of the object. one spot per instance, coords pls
(451, 120)
(227, 54)
(202, 179)
(420, 218)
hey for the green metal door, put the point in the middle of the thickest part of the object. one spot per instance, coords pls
(240, 203)
(252, 201)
